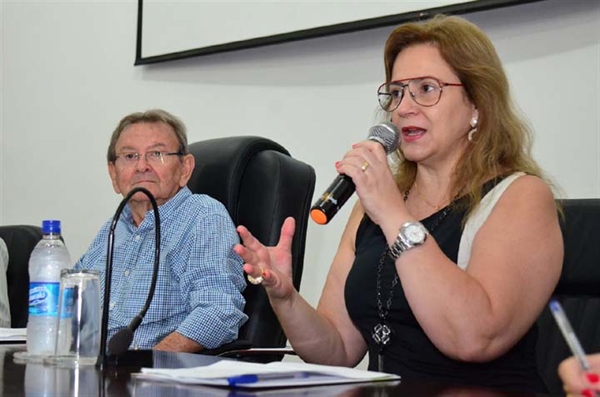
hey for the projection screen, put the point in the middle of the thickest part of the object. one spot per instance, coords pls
(170, 30)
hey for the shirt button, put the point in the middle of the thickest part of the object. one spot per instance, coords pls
(112, 304)
(127, 273)
(137, 238)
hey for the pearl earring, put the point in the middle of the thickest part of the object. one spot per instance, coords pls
(473, 129)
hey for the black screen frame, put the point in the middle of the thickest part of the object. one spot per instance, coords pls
(347, 27)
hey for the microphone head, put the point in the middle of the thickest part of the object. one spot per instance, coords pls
(387, 134)
(120, 342)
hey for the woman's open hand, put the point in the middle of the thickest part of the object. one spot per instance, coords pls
(273, 264)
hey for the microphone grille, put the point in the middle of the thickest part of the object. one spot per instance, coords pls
(387, 134)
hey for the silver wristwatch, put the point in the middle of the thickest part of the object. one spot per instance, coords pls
(412, 234)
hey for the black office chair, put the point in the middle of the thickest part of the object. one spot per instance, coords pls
(20, 241)
(260, 184)
(578, 290)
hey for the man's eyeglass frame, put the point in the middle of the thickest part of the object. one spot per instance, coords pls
(156, 156)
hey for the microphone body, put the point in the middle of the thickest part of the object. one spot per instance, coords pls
(336, 195)
(119, 343)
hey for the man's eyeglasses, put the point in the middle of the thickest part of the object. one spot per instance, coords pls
(154, 157)
(425, 91)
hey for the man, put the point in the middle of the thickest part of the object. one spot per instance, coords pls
(198, 302)
(4, 304)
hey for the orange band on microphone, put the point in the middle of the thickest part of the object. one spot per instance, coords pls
(318, 216)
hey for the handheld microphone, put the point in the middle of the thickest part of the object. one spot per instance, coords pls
(342, 187)
(120, 342)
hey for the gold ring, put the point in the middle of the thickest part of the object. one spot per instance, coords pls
(364, 166)
(256, 280)
(253, 280)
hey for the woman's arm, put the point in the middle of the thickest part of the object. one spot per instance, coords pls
(516, 259)
(326, 335)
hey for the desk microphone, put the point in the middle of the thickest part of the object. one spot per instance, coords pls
(342, 187)
(121, 341)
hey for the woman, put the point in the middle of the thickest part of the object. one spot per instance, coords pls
(394, 288)
(578, 383)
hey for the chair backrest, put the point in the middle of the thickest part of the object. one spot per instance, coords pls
(20, 241)
(260, 184)
(578, 289)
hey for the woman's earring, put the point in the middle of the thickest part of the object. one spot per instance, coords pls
(473, 129)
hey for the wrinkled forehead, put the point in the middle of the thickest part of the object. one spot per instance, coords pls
(146, 135)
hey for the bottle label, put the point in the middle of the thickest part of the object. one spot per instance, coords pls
(43, 299)
(67, 303)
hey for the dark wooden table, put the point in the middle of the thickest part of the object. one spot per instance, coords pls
(37, 380)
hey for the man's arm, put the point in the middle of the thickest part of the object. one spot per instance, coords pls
(211, 281)
(175, 342)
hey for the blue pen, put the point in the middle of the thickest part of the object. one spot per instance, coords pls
(255, 378)
(569, 334)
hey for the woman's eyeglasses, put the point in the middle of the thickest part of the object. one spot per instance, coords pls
(425, 91)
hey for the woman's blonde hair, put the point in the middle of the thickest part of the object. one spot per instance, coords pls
(502, 142)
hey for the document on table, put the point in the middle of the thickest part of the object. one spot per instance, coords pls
(240, 374)
(13, 334)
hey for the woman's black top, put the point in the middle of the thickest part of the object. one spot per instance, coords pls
(410, 353)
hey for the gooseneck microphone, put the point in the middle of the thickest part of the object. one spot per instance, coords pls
(121, 341)
(342, 187)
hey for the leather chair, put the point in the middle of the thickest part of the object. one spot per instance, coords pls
(578, 290)
(20, 241)
(260, 184)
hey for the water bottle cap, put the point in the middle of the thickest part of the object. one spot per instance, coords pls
(51, 226)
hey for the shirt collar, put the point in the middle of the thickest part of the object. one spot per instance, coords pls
(165, 210)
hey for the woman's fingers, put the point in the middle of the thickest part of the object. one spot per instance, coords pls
(255, 274)
(575, 381)
(251, 250)
(287, 234)
(270, 266)
(248, 239)
(255, 255)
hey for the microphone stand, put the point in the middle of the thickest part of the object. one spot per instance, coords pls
(118, 355)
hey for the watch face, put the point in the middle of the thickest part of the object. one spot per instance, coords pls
(415, 233)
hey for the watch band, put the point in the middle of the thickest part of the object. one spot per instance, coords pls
(403, 243)
(397, 248)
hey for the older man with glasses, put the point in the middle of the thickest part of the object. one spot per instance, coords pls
(198, 303)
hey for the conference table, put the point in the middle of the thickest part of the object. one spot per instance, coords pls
(33, 380)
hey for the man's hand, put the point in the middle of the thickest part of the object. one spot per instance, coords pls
(175, 342)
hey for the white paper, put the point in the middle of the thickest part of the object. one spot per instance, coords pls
(13, 334)
(217, 374)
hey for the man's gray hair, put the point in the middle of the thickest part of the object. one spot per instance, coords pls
(149, 116)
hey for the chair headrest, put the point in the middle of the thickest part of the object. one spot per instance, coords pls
(221, 162)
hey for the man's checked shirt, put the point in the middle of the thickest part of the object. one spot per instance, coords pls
(200, 279)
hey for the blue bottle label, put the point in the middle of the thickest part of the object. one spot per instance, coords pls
(43, 299)
(67, 303)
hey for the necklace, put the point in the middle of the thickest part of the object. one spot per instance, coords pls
(435, 207)
(382, 334)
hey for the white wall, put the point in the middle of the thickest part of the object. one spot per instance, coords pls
(68, 77)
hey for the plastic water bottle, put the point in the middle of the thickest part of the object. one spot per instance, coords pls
(47, 260)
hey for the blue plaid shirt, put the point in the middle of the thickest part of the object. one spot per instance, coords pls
(200, 281)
